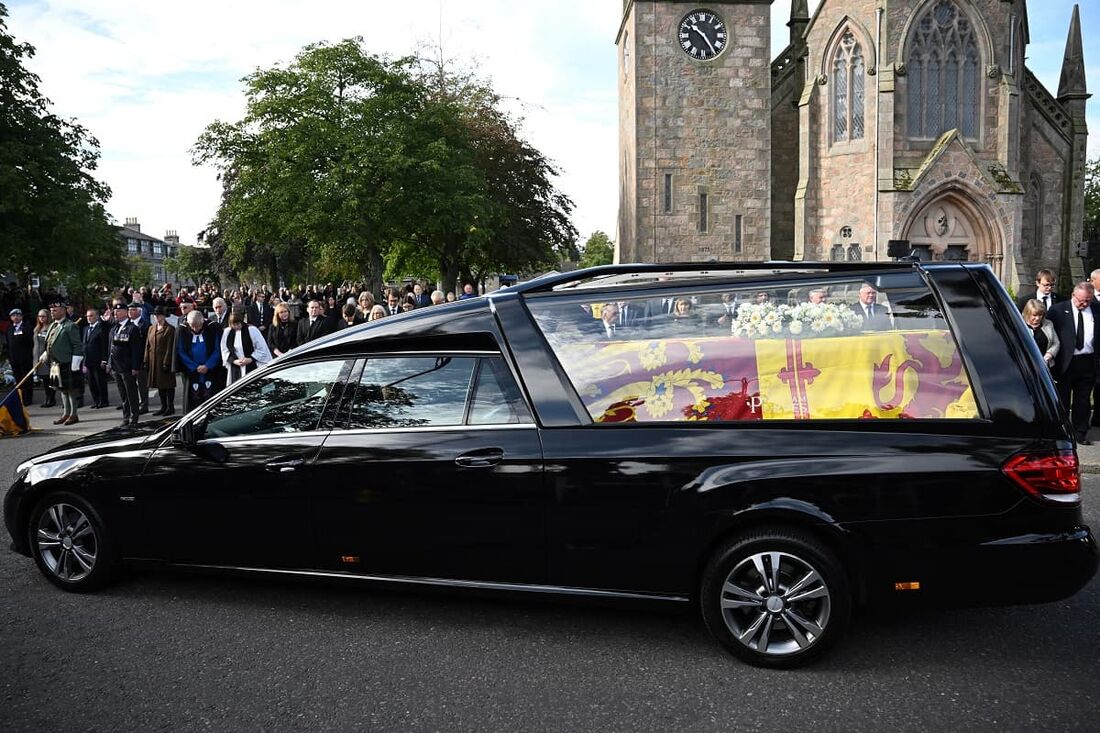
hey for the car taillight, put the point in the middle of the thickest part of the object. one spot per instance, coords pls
(1049, 475)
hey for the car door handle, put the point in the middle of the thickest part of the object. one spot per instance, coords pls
(480, 458)
(285, 465)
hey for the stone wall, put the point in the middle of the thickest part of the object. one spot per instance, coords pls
(625, 241)
(787, 86)
(1045, 153)
(840, 178)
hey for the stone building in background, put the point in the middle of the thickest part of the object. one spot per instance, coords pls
(154, 252)
(903, 120)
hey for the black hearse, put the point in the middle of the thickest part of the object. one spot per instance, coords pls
(775, 442)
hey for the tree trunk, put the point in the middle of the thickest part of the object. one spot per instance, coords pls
(449, 273)
(273, 273)
(375, 268)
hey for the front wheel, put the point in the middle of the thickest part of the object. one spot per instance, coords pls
(775, 598)
(70, 543)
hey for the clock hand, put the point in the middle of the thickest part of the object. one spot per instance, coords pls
(704, 35)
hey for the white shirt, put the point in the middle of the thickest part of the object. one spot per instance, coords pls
(1090, 327)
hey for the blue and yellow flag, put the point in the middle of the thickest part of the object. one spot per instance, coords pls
(13, 416)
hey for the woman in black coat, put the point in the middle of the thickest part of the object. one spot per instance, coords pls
(282, 336)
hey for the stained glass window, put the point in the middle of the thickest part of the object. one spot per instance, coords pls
(848, 90)
(943, 93)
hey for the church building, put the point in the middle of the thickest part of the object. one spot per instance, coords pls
(882, 120)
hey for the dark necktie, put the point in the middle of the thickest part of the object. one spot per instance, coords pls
(1080, 342)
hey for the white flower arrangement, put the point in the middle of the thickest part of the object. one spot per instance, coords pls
(805, 320)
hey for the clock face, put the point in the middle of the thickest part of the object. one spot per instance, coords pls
(702, 34)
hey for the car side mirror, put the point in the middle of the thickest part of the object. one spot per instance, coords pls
(184, 435)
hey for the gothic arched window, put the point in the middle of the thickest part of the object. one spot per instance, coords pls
(943, 66)
(848, 72)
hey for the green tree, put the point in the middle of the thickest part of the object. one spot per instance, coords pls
(138, 271)
(1092, 213)
(360, 164)
(493, 207)
(193, 263)
(52, 216)
(316, 164)
(598, 250)
(1092, 199)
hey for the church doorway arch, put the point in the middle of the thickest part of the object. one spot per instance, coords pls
(952, 227)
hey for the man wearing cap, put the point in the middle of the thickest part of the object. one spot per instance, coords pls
(97, 345)
(20, 347)
(124, 362)
(65, 351)
(136, 313)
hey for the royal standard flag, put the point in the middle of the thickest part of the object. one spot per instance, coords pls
(13, 416)
(914, 374)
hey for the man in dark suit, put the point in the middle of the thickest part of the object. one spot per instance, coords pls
(1076, 322)
(221, 313)
(1043, 292)
(875, 316)
(420, 297)
(315, 325)
(20, 347)
(393, 302)
(260, 314)
(124, 361)
(633, 314)
(1094, 279)
(97, 347)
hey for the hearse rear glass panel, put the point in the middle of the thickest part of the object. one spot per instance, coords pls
(823, 349)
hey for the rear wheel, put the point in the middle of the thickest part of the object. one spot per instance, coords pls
(775, 598)
(70, 543)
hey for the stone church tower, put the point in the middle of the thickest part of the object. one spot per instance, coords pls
(694, 131)
(889, 120)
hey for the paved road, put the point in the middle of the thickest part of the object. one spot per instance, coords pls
(168, 651)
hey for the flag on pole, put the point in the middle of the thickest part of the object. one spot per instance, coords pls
(13, 416)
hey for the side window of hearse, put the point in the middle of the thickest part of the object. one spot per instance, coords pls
(411, 391)
(829, 349)
(287, 401)
(496, 399)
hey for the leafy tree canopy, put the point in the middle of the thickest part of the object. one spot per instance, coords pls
(598, 250)
(52, 216)
(1092, 200)
(355, 162)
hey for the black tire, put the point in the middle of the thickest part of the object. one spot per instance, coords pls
(70, 543)
(757, 617)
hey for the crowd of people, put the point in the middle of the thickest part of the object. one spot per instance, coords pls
(199, 338)
(1065, 330)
